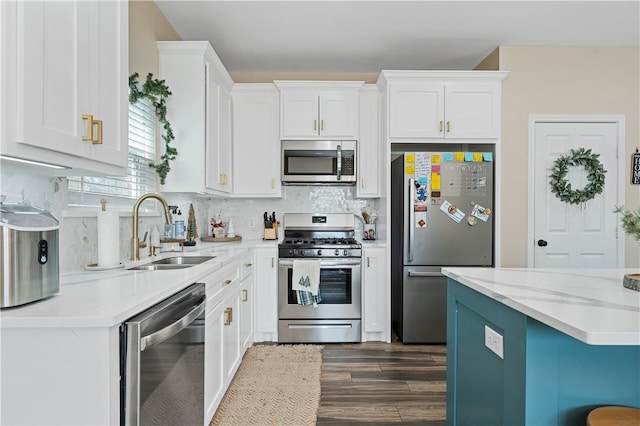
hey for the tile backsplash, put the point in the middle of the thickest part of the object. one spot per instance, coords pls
(78, 235)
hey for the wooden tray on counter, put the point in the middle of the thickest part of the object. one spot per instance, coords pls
(220, 239)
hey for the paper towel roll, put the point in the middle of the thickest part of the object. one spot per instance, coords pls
(108, 238)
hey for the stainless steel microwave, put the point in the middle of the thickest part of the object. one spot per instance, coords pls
(319, 162)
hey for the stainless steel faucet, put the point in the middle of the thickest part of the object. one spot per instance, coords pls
(135, 241)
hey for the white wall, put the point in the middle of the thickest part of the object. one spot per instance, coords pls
(561, 80)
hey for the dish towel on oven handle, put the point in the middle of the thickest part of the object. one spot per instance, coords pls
(305, 281)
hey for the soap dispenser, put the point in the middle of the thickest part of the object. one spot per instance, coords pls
(179, 226)
(154, 243)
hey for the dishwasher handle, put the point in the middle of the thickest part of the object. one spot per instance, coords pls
(425, 274)
(173, 328)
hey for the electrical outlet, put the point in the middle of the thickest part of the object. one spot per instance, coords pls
(252, 223)
(493, 340)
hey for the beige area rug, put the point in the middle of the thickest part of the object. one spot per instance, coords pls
(275, 385)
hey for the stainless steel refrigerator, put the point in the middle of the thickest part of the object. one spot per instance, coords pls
(441, 215)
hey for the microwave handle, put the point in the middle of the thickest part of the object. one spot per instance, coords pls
(339, 157)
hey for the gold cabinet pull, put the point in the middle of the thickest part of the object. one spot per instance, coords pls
(272, 262)
(99, 140)
(448, 126)
(315, 124)
(321, 124)
(362, 183)
(248, 265)
(229, 314)
(245, 295)
(226, 282)
(90, 123)
(441, 123)
(273, 183)
(368, 262)
(89, 136)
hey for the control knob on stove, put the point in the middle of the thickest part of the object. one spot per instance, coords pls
(346, 252)
(337, 252)
(319, 252)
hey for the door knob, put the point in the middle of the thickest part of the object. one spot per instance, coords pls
(542, 243)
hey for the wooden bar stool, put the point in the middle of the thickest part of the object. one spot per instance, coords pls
(614, 416)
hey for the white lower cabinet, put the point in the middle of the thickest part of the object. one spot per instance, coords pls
(374, 295)
(267, 293)
(231, 334)
(223, 351)
(71, 374)
(247, 307)
(213, 363)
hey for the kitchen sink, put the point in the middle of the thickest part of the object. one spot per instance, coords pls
(152, 267)
(182, 260)
(170, 263)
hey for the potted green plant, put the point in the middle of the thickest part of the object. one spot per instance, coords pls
(631, 225)
(156, 91)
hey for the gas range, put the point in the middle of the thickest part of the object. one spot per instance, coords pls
(308, 235)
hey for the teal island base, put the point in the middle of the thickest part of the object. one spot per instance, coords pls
(544, 376)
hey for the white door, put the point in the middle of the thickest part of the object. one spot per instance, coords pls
(569, 235)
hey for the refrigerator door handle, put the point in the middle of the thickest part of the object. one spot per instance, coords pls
(412, 218)
(425, 274)
(339, 161)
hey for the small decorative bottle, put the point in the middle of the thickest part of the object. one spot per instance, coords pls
(230, 231)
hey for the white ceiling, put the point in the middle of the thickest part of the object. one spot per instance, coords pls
(369, 36)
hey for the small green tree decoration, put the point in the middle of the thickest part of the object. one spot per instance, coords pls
(630, 221)
(156, 91)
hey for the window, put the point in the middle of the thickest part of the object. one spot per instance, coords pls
(120, 191)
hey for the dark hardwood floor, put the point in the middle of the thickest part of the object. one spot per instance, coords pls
(383, 383)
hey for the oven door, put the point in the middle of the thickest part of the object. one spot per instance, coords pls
(339, 288)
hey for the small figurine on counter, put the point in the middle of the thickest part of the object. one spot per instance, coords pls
(217, 227)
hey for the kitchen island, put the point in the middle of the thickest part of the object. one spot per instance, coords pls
(540, 347)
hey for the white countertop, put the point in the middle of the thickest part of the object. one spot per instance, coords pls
(590, 305)
(107, 298)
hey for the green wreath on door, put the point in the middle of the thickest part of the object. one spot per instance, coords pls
(595, 175)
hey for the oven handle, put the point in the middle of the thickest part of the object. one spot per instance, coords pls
(324, 263)
(173, 328)
(319, 326)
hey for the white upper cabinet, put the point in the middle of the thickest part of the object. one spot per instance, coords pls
(368, 184)
(416, 109)
(256, 143)
(318, 110)
(199, 110)
(64, 91)
(435, 105)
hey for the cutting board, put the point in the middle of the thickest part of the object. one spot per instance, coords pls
(220, 239)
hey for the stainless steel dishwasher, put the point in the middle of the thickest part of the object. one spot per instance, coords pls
(162, 362)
